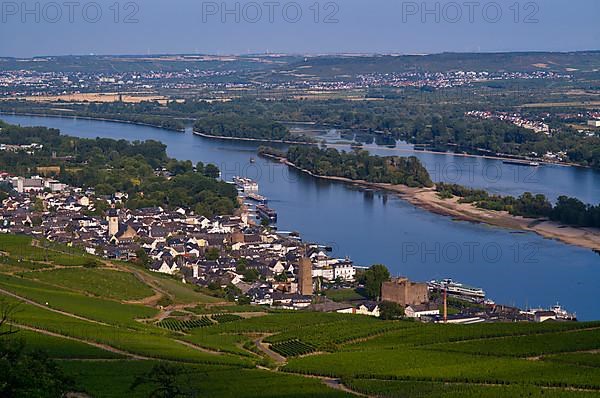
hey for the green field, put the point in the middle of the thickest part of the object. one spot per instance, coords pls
(97, 282)
(25, 248)
(204, 381)
(425, 389)
(344, 295)
(84, 318)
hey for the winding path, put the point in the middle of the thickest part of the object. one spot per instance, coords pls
(36, 304)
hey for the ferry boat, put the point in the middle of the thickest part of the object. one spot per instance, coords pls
(245, 184)
(266, 212)
(558, 310)
(457, 288)
(256, 197)
(561, 313)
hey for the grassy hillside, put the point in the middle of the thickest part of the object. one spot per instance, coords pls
(124, 321)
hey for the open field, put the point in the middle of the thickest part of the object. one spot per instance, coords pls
(95, 97)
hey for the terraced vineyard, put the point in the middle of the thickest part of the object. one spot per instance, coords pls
(176, 325)
(292, 348)
(77, 313)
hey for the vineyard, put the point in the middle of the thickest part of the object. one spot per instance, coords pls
(292, 348)
(78, 313)
(330, 336)
(224, 318)
(176, 325)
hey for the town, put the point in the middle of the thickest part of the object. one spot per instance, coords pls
(250, 260)
(232, 77)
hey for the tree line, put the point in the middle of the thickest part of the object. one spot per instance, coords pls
(413, 116)
(566, 210)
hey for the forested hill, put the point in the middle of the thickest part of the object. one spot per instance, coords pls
(108, 166)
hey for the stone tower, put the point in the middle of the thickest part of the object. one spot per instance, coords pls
(113, 222)
(305, 282)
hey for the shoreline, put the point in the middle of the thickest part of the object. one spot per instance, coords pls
(99, 119)
(220, 137)
(427, 199)
(468, 155)
(290, 142)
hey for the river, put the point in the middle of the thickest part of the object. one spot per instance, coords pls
(514, 268)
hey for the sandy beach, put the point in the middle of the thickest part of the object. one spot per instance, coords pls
(427, 199)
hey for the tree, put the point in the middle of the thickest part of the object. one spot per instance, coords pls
(373, 278)
(250, 275)
(213, 254)
(210, 170)
(390, 310)
(142, 256)
(164, 379)
(6, 311)
(38, 205)
(17, 365)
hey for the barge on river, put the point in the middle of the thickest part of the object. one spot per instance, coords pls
(266, 212)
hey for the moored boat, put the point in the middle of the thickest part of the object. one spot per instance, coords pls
(457, 288)
(266, 212)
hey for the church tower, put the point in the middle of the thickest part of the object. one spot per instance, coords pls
(113, 222)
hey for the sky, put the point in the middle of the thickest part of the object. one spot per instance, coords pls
(62, 27)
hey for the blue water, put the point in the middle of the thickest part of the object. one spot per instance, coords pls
(371, 227)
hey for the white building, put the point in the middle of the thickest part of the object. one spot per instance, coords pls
(594, 123)
(344, 270)
(417, 311)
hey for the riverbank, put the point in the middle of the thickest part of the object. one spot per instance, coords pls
(428, 199)
(270, 141)
(100, 119)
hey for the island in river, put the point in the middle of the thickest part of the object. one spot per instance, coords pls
(427, 198)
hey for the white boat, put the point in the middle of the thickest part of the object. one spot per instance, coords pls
(558, 310)
(256, 197)
(561, 313)
(245, 184)
(457, 288)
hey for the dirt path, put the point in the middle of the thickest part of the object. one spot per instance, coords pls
(150, 301)
(279, 359)
(104, 347)
(36, 304)
(197, 347)
(159, 293)
(337, 384)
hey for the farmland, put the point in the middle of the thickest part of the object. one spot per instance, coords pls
(122, 321)
(179, 326)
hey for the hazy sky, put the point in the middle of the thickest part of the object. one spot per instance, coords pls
(310, 26)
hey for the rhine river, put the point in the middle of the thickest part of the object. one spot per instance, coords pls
(514, 268)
